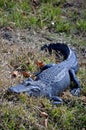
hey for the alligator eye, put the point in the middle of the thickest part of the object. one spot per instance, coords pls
(35, 90)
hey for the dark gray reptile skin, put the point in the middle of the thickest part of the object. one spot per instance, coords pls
(53, 79)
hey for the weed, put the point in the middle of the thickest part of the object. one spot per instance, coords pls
(81, 24)
(20, 14)
(21, 111)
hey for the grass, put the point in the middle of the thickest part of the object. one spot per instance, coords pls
(21, 112)
(21, 14)
(25, 114)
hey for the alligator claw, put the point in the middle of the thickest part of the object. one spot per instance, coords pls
(54, 80)
(75, 92)
(56, 100)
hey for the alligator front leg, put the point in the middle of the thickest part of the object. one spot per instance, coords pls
(76, 89)
(56, 100)
(47, 66)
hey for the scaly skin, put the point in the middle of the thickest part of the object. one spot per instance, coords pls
(53, 79)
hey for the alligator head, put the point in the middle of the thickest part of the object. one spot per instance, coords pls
(27, 86)
(32, 90)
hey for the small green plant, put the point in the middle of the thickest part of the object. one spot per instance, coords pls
(62, 26)
(81, 25)
(20, 14)
(21, 112)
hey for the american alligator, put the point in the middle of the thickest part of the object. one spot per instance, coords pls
(53, 79)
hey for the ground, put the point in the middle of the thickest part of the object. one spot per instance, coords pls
(20, 52)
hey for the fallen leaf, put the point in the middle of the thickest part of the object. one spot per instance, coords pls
(44, 114)
(15, 73)
(35, 2)
(45, 119)
(84, 100)
(83, 129)
(25, 74)
(46, 122)
(9, 28)
(40, 64)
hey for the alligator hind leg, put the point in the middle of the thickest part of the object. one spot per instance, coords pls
(76, 89)
(56, 100)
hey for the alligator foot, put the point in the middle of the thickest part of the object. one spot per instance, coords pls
(76, 88)
(56, 100)
(75, 91)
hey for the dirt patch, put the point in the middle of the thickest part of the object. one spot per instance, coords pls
(17, 48)
(17, 43)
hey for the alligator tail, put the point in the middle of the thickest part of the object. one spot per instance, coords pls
(69, 55)
(63, 48)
